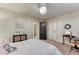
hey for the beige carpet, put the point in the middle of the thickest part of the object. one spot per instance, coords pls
(64, 49)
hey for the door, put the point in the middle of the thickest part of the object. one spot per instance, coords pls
(43, 30)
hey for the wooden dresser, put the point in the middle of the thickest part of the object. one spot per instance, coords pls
(20, 37)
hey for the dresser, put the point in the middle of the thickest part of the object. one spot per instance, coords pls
(20, 37)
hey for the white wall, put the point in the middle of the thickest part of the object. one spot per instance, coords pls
(56, 25)
(8, 20)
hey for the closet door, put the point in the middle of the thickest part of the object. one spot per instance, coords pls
(43, 34)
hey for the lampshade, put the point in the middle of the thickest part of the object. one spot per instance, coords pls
(43, 10)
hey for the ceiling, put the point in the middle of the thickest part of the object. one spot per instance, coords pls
(32, 9)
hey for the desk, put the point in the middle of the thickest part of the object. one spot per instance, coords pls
(69, 36)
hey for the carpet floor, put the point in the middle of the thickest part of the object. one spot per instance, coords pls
(64, 49)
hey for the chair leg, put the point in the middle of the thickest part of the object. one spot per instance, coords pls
(71, 49)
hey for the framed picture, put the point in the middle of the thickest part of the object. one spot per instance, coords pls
(18, 26)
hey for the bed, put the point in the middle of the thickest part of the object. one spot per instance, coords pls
(34, 47)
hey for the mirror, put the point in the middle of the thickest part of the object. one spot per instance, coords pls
(67, 26)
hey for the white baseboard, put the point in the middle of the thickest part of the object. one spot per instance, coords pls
(62, 42)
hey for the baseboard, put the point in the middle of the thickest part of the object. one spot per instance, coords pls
(62, 42)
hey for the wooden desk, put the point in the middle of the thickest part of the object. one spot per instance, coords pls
(69, 36)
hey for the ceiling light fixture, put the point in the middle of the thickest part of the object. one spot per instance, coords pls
(43, 9)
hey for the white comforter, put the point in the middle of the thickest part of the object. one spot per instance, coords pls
(34, 47)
